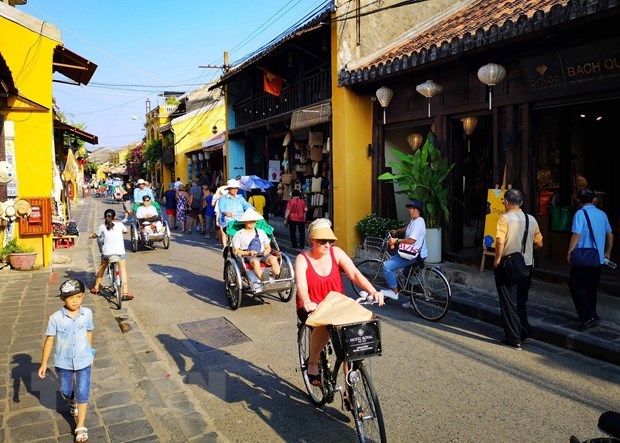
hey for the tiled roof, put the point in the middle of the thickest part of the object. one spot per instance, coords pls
(479, 24)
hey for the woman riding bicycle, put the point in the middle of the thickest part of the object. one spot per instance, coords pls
(113, 244)
(317, 273)
(415, 236)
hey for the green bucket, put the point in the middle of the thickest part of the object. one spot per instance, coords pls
(561, 218)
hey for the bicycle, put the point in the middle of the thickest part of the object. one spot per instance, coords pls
(350, 344)
(114, 273)
(427, 287)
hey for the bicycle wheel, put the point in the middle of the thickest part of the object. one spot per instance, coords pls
(318, 394)
(372, 270)
(431, 298)
(114, 284)
(365, 406)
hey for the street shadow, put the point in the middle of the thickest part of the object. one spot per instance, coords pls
(204, 288)
(284, 407)
(26, 382)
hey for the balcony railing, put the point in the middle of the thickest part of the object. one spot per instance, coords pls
(312, 89)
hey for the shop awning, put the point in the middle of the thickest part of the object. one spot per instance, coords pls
(214, 143)
(79, 133)
(72, 65)
(311, 116)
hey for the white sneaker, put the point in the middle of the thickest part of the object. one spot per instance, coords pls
(389, 294)
(407, 305)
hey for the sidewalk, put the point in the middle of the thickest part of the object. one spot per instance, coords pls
(134, 398)
(550, 308)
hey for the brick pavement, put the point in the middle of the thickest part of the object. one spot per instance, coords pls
(133, 396)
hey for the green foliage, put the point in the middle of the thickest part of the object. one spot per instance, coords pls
(172, 101)
(91, 167)
(12, 247)
(153, 151)
(374, 226)
(421, 176)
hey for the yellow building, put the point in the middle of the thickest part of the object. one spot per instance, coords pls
(157, 120)
(30, 51)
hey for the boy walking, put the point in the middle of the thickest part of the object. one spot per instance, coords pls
(72, 326)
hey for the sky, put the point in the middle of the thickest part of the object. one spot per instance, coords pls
(145, 47)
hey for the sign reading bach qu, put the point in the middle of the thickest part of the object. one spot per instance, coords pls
(582, 69)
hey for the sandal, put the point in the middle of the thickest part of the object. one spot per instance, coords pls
(73, 410)
(82, 436)
(314, 379)
(94, 290)
(127, 296)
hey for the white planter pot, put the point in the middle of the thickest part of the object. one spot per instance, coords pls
(433, 244)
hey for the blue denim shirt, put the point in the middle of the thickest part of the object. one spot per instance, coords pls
(236, 206)
(72, 351)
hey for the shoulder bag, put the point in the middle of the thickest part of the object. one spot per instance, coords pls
(586, 257)
(513, 265)
(407, 251)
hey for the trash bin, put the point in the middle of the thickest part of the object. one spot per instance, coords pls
(561, 218)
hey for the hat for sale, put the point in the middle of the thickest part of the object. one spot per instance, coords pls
(71, 287)
(416, 204)
(232, 183)
(7, 172)
(23, 208)
(250, 215)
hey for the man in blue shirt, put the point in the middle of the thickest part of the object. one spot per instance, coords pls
(141, 191)
(584, 281)
(231, 206)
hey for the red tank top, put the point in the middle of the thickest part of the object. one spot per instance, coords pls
(319, 286)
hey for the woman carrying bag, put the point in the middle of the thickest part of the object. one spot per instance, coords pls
(295, 216)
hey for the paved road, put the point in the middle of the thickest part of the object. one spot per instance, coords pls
(437, 382)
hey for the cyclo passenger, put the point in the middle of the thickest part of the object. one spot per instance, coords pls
(253, 245)
(231, 206)
(415, 238)
(317, 273)
(148, 213)
(113, 244)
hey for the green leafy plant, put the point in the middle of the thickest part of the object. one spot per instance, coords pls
(421, 176)
(374, 226)
(12, 247)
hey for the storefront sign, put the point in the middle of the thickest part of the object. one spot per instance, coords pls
(495, 209)
(583, 69)
(36, 216)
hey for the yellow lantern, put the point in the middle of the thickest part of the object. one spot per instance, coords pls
(469, 126)
(415, 141)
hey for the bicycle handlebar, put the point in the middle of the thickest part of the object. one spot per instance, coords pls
(366, 299)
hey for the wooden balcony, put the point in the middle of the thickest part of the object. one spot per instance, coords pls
(314, 88)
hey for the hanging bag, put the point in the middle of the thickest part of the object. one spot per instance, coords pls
(407, 251)
(513, 265)
(586, 257)
(255, 243)
(286, 178)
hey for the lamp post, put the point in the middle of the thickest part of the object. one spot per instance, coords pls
(214, 129)
(429, 89)
(491, 74)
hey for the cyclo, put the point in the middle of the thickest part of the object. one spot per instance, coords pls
(240, 278)
(140, 235)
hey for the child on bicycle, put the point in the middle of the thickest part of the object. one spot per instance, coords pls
(72, 326)
(111, 233)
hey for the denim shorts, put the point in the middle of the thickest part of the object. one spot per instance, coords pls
(105, 257)
(75, 384)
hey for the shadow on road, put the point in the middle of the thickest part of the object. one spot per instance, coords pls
(280, 404)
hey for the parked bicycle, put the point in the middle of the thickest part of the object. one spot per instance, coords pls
(427, 287)
(348, 347)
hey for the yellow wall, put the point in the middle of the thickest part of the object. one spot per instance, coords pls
(352, 168)
(189, 133)
(29, 57)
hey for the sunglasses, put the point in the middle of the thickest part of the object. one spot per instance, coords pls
(323, 242)
(147, 200)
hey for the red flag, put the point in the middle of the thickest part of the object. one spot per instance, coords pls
(272, 83)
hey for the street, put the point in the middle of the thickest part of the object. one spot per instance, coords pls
(449, 381)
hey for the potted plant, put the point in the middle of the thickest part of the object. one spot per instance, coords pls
(421, 175)
(18, 256)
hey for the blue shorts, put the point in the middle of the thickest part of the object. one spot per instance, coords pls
(105, 257)
(75, 384)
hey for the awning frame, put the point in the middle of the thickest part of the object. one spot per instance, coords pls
(73, 65)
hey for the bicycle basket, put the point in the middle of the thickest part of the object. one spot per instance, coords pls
(374, 244)
(356, 341)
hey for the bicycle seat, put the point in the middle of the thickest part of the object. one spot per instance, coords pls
(114, 258)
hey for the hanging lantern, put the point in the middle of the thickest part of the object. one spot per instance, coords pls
(491, 74)
(207, 155)
(189, 161)
(189, 169)
(384, 95)
(415, 141)
(195, 157)
(201, 156)
(469, 126)
(429, 89)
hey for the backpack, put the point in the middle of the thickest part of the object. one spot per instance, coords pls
(255, 244)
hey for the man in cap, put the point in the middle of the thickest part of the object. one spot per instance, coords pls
(231, 206)
(141, 191)
(415, 245)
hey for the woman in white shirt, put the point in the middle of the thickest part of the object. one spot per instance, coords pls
(111, 233)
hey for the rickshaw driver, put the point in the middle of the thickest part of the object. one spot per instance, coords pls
(253, 245)
(146, 212)
(141, 191)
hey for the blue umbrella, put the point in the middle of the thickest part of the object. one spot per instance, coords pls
(249, 182)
